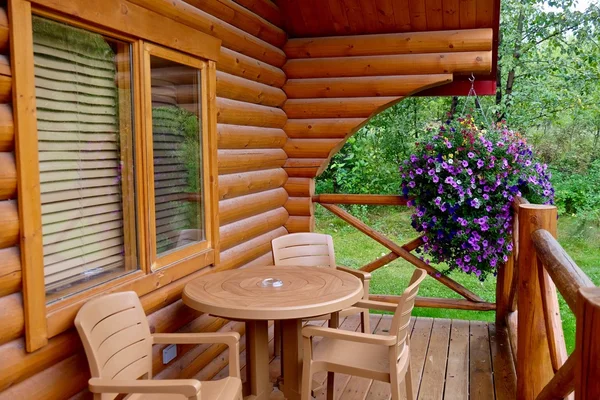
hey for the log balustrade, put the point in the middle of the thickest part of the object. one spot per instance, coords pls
(526, 298)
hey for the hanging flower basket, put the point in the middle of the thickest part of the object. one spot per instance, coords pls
(462, 182)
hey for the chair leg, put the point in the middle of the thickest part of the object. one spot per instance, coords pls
(408, 382)
(306, 381)
(330, 385)
(365, 322)
(277, 338)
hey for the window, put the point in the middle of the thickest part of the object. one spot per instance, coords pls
(86, 161)
(96, 226)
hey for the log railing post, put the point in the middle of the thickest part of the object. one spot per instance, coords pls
(587, 345)
(534, 368)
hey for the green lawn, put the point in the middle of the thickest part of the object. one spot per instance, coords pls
(354, 249)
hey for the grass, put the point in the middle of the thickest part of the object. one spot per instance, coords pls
(354, 249)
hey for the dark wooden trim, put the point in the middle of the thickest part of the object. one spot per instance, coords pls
(365, 199)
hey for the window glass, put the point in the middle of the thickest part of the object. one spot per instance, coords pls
(177, 150)
(85, 143)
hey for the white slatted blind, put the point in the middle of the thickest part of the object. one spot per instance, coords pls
(78, 138)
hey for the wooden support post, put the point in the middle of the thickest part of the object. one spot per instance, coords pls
(587, 345)
(506, 274)
(534, 368)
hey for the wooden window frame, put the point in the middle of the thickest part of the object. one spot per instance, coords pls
(149, 50)
(43, 320)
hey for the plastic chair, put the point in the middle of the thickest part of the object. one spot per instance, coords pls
(118, 344)
(379, 357)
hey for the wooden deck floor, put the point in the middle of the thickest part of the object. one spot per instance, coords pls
(452, 360)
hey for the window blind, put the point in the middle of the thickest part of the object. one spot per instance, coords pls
(79, 153)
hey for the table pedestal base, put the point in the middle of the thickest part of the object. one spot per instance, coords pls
(291, 363)
(257, 363)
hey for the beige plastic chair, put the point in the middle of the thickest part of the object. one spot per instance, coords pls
(316, 250)
(118, 345)
(380, 357)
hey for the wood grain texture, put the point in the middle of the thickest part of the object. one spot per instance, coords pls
(237, 208)
(587, 348)
(482, 384)
(243, 183)
(10, 271)
(250, 137)
(241, 65)
(237, 88)
(457, 377)
(241, 113)
(322, 127)
(386, 44)
(238, 160)
(356, 107)
(7, 132)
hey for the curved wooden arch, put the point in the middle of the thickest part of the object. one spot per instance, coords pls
(338, 84)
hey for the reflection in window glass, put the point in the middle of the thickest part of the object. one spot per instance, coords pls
(83, 97)
(177, 147)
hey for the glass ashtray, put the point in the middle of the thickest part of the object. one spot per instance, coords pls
(271, 282)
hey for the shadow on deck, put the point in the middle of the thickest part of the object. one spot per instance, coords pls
(452, 359)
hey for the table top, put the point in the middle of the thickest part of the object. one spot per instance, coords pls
(306, 292)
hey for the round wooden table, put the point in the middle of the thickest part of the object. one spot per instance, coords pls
(306, 292)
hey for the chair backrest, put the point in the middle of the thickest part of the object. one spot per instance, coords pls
(304, 249)
(401, 319)
(116, 337)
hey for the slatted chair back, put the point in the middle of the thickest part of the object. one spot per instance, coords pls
(401, 319)
(116, 338)
(304, 249)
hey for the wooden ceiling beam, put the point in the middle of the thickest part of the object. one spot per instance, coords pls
(367, 86)
(391, 43)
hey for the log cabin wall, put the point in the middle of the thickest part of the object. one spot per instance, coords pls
(251, 193)
(336, 84)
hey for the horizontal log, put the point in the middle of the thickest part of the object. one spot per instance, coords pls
(238, 208)
(13, 323)
(249, 228)
(237, 88)
(367, 199)
(300, 187)
(365, 86)
(355, 107)
(311, 148)
(4, 39)
(303, 167)
(299, 206)
(378, 237)
(5, 89)
(8, 176)
(10, 271)
(9, 220)
(266, 9)
(435, 302)
(262, 261)
(231, 37)
(242, 18)
(63, 380)
(5, 65)
(323, 127)
(232, 161)
(565, 273)
(300, 224)
(241, 113)
(238, 64)
(244, 183)
(250, 137)
(477, 62)
(391, 43)
(250, 250)
(7, 132)
(18, 365)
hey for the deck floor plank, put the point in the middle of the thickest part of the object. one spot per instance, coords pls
(457, 372)
(480, 365)
(434, 373)
(505, 381)
(466, 359)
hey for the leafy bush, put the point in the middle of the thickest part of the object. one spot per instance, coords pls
(578, 194)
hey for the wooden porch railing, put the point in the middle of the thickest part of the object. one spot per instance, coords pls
(526, 299)
(471, 301)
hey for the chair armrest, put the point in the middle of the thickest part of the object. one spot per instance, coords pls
(228, 338)
(376, 305)
(310, 331)
(362, 275)
(231, 339)
(186, 387)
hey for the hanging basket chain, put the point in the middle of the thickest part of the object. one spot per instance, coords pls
(473, 94)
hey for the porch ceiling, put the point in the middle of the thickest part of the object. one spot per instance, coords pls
(310, 18)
